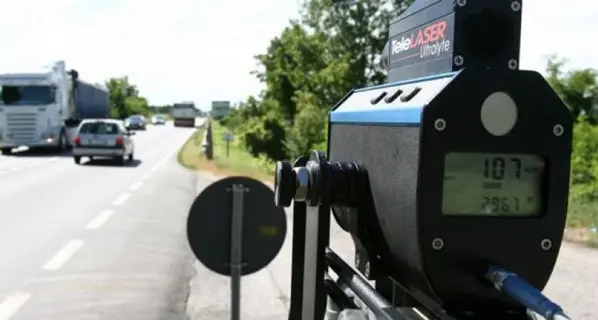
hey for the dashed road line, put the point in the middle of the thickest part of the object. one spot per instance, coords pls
(146, 176)
(135, 186)
(62, 256)
(12, 304)
(121, 199)
(100, 219)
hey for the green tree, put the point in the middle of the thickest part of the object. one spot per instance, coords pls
(357, 31)
(578, 88)
(334, 47)
(125, 99)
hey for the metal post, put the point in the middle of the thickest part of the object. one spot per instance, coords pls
(236, 250)
(227, 147)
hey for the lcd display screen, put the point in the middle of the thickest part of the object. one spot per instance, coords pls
(492, 184)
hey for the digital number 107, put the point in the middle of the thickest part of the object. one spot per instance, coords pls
(494, 167)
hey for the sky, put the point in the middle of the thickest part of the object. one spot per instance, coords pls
(202, 50)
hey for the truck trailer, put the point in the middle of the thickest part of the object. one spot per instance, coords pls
(43, 110)
(183, 114)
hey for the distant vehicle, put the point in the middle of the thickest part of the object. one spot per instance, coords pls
(183, 114)
(136, 122)
(159, 119)
(44, 109)
(103, 138)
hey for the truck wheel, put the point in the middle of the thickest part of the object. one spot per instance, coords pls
(6, 151)
(61, 142)
(77, 159)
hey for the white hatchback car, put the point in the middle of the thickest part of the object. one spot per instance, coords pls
(103, 138)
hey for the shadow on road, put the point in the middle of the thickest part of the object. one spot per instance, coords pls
(39, 153)
(106, 162)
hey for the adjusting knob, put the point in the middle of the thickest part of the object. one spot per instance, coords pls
(285, 184)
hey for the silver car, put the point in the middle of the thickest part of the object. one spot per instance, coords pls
(103, 138)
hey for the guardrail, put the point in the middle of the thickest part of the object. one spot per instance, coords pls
(207, 142)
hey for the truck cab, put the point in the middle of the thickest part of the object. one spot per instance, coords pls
(183, 114)
(44, 109)
(31, 111)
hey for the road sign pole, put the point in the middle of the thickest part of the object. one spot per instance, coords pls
(236, 256)
(227, 147)
(213, 229)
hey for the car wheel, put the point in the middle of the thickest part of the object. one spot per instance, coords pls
(131, 157)
(77, 159)
(120, 160)
(6, 151)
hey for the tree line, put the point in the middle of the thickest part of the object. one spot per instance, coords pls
(335, 46)
(126, 100)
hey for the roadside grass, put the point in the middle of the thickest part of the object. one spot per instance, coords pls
(190, 155)
(238, 162)
(582, 223)
(582, 219)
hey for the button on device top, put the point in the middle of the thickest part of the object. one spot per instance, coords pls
(411, 94)
(393, 96)
(378, 98)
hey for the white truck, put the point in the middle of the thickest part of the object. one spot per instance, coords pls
(183, 114)
(43, 110)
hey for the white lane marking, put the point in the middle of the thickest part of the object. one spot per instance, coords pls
(62, 256)
(100, 219)
(12, 304)
(14, 169)
(135, 186)
(146, 176)
(121, 199)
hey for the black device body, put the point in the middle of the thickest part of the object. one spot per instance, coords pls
(405, 165)
(439, 36)
(391, 162)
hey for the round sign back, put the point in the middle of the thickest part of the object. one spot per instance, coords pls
(209, 226)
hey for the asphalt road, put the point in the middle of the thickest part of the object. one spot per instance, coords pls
(97, 240)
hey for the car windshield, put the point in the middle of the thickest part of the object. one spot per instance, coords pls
(135, 118)
(99, 128)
